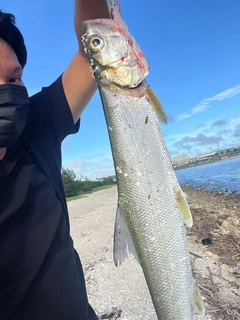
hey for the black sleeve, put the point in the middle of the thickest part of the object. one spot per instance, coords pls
(51, 113)
(50, 121)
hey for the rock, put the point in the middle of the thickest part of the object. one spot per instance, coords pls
(114, 313)
(236, 222)
(215, 257)
(226, 225)
(223, 216)
(224, 266)
(214, 234)
(222, 230)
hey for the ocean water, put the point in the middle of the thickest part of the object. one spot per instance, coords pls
(219, 176)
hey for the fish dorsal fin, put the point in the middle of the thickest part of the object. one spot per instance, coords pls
(157, 105)
(123, 244)
(197, 301)
(183, 206)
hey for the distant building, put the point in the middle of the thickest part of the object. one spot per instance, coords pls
(206, 156)
(180, 160)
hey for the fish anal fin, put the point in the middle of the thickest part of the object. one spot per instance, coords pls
(197, 301)
(123, 243)
(183, 206)
(157, 105)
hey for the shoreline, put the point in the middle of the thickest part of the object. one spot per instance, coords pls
(192, 165)
(204, 187)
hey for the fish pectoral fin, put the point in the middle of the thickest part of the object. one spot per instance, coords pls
(123, 243)
(183, 206)
(197, 302)
(157, 105)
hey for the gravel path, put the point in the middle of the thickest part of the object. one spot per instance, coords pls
(123, 288)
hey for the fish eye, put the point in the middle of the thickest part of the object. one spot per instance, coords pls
(96, 43)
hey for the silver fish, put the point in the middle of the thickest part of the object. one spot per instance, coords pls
(152, 208)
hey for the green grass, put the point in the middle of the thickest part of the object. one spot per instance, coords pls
(102, 187)
(75, 197)
(83, 194)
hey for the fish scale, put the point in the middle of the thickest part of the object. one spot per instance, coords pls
(152, 208)
(150, 227)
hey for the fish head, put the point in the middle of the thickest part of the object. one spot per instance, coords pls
(115, 56)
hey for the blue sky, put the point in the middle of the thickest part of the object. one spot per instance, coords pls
(193, 48)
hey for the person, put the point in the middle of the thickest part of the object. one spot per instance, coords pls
(41, 276)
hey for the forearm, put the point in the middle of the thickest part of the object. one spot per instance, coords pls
(88, 10)
(78, 84)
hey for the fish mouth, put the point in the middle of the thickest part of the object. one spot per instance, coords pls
(136, 87)
(139, 86)
(138, 91)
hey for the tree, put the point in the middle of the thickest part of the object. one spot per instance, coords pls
(69, 182)
(108, 181)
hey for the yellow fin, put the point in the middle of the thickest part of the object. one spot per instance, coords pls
(183, 206)
(157, 105)
(197, 302)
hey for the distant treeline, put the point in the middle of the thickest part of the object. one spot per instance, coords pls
(74, 187)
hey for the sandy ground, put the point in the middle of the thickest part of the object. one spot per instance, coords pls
(121, 293)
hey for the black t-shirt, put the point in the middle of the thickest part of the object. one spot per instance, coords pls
(41, 276)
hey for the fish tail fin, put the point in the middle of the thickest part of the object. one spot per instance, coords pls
(123, 243)
(157, 105)
(183, 206)
(197, 302)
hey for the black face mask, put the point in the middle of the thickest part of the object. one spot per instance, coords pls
(14, 108)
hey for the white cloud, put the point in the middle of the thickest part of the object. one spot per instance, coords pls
(76, 165)
(204, 128)
(233, 122)
(226, 94)
(211, 136)
(92, 166)
(205, 103)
